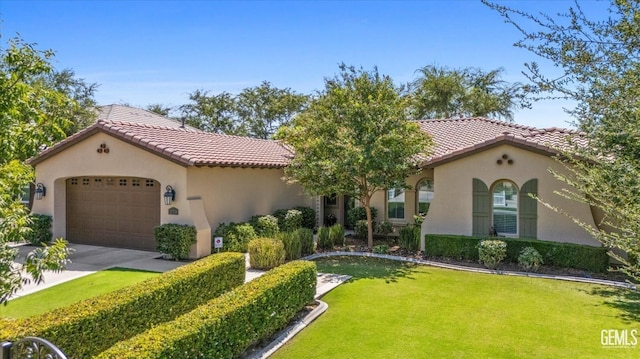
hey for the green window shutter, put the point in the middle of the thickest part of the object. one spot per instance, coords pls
(529, 210)
(481, 208)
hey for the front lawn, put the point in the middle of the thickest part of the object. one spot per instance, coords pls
(395, 310)
(73, 291)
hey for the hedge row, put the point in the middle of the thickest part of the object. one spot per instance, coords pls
(224, 327)
(86, 328)
(567, 255)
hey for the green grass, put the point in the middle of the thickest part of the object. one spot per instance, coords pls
(394, 310)
(73, 291)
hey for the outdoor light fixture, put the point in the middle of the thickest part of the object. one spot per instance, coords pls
(169, 196)
(41, 191)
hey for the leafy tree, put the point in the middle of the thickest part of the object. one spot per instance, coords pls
(600, 69)
(211, 113)
(34, 112)
(80, 92)
(263, 109)
(160, 109)
(440, 92)
(354, 139)
(256, 111)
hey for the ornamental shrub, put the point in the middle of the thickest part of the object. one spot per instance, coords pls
(361, 230)
(175, 239)
(336, 235)
(292, 245)
(492, 252)
(292, 220)
(566, 255)
(305, 236)
(530, 259)
(39, 229)
(280, 214)
(381, 249)
(225, 327)
(265, 226)
(409, 238)
(384, 228)
(324, 239)
(236, 236)
(356, 214)
(89, 327)
(266, 253)
(308, 217)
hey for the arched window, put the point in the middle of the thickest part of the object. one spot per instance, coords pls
(425, 196)
(505, 208)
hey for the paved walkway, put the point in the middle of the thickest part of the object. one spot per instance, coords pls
(87, 259)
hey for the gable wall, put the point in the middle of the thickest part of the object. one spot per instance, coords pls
(123, 159)
(451, 209)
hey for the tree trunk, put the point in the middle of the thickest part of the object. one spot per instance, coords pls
(367, 209)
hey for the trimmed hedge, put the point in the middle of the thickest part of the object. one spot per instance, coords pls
(86, 328)
(568, 255)
(308, 217)
(40, 229)
(175, 239)
(226, 326)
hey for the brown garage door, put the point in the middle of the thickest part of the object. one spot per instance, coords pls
(113, 211)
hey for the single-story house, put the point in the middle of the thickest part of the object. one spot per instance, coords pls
(113, 182)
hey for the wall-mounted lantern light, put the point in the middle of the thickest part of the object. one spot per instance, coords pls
(41, 191)
(169, 196)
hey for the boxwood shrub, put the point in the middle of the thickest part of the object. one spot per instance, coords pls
(568, 255)
(175, 239)
(40, 229)
(224, 327)
(84, 329)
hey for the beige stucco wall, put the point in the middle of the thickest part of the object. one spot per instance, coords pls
(236, 194)
(451, 210)
(123, 160)
(379, 199)
(204, 196)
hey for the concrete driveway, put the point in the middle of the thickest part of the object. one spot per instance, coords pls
(87, 259)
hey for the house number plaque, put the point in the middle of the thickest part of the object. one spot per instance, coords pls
(173, 211)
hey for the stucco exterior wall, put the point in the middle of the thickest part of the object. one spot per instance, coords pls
(236, 194)
(124, 160)
(451, 208)
(379, 199)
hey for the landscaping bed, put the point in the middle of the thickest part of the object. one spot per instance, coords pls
(355, 244)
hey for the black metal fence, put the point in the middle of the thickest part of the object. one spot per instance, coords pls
(30, 348)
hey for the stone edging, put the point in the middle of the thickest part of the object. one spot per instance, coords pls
(472, 269)
(291, 331)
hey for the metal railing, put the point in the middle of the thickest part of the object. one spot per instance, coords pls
(30, 348)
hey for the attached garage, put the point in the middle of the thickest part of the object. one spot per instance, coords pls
(113, 211)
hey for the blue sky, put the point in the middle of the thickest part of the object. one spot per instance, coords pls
(143, 52)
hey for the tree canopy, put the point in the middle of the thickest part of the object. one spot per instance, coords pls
(600, 69)
(37, 108)
(354, 139)
(255, 112)
(440, 92)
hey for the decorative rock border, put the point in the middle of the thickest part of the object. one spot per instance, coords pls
(471, 269)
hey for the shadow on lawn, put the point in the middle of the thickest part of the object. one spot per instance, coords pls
(623, 299)
(366, 268)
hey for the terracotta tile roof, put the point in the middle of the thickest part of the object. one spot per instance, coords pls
(185, 146)
(458, 137)
(120, 113)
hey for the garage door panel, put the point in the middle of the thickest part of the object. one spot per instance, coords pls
(113, 211)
